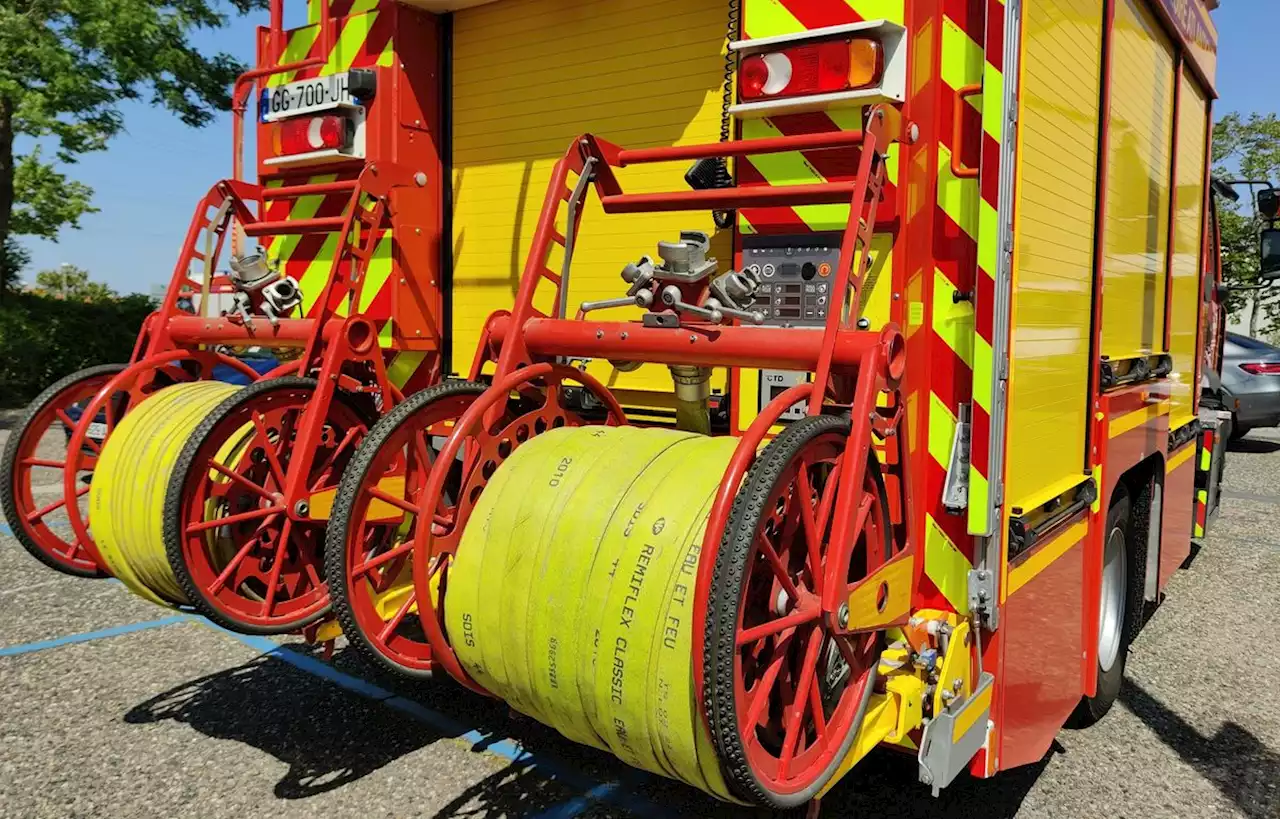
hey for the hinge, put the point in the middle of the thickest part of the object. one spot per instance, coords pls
(982, 597)
(955, 491)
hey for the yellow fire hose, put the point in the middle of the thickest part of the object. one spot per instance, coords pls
(127, 496)
(571, 596)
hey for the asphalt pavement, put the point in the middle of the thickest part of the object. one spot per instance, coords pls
(112, 707)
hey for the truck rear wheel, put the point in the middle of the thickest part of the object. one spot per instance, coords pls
(1115, 610)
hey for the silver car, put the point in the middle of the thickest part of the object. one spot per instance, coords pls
(1250, 383)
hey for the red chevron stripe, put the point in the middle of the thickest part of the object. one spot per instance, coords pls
(995, 34)
(819, 13)
(984, 311)
(953, 526)
(767, 221)
(968, 15)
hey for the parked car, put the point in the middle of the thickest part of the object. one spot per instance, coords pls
(1250, 383)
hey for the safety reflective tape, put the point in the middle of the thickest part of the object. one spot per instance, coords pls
(946, 566)
(952, 320)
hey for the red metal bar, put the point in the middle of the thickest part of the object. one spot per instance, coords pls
(711, 346)
(830, 193)
(294, 333)
(294, 191)
(325, 224)
(742, 147)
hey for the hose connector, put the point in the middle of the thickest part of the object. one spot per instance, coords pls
(693, 389)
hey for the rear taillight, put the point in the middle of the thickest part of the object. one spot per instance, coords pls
(820, 68)
(307, 134)
(1262, 367)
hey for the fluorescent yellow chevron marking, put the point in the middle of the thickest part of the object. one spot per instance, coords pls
(1097, 481)
(1205, 459)
(378, 272)
(993, 91)
(313, 278)
(946, 566)
(361, 6)
(386, 333)
(388, 56)
(299, 45)
(404, 366)
(891, 10)
(769, 18)
(979, 494)
(952, 322)
(314, 8)
(304, 207)
(988, 239)
(957, 197)
(353, 35)
(942, 430)
(982, 374)
(962, 59)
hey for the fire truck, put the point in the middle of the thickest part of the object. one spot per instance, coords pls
(736, 387)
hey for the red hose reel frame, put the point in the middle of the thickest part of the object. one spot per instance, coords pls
(852, 367)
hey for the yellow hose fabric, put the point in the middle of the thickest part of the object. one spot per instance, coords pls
(571, 595)
(126, 498)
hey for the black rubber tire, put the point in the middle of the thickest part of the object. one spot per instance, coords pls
(340, 518)
(1119, 516)
(8, 501)
(173, 501)
(730, 573)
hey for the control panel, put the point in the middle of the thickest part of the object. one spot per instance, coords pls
(795, 275)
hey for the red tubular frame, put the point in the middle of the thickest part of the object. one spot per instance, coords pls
(852, 366)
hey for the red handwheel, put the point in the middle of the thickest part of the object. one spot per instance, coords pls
(371, 531)
(783, 693)
(35, 458)
(237, 553)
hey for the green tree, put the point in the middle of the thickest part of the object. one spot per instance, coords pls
(65, 67)
(13, 260)
(72, 283)
(1246, 149)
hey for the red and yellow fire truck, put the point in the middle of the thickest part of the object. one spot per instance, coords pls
(887, 433)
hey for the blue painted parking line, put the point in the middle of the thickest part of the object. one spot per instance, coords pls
(590, 790)
(88, 636)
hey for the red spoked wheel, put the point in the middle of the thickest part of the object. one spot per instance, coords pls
(35, 459)
(785, 695)
(493, 427)
(102, 410)
(239, 555)
(375, 518)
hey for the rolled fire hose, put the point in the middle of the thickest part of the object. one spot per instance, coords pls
(127, 496)
(571, 595)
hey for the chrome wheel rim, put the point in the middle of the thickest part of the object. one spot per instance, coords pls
(1111, 616)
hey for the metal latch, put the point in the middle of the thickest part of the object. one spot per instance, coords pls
(982, 597)
(955, 492)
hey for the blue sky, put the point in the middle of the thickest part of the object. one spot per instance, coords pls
(147, 183)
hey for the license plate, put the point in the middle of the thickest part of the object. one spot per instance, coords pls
(97, 431)
(305, 97)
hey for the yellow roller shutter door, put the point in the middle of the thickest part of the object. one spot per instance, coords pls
(529, 76)
(1137, 220)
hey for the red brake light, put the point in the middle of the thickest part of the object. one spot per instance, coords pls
(304, 135)
(819, 68)
(1262, 367)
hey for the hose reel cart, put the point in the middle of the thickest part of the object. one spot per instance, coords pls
(216, 497)
(711, 609)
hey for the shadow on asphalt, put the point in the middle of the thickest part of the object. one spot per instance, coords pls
(1255, 446)
(1239, 765)
(327, 737)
